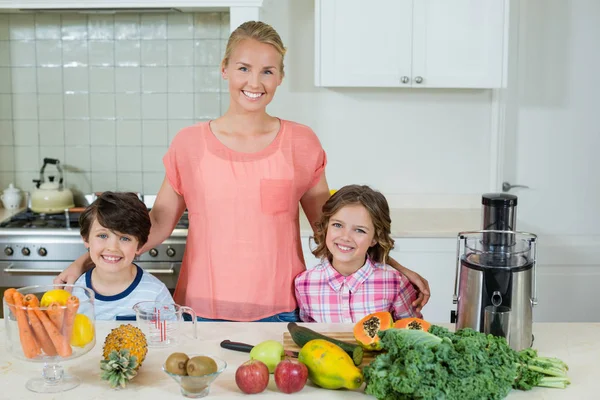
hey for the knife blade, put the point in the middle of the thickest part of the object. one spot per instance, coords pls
(246, 348)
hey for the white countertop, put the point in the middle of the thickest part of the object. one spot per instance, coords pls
(575, 343)
(5, 213)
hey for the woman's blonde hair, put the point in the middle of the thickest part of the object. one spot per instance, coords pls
(377, 207)
(258, 31)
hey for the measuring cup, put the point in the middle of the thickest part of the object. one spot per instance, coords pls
(160, 322)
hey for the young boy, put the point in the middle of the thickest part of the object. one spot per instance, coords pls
(113, 228)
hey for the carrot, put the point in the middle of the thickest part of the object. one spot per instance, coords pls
(63, 348)
(28, 342)
(56, 314)
(72, 307)
(40, 332)
(8, 298)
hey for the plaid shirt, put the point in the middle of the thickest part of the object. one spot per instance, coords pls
(325, 295)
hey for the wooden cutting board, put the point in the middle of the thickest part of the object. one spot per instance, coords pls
(288, 344)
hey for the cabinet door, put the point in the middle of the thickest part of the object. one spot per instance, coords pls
(360, 43)
(458, 43)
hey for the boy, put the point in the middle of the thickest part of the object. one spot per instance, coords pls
(113, 228)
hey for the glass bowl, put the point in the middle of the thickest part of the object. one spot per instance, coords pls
(197, 386)
(50, 334)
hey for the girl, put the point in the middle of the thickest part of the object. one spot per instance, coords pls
(353, 279)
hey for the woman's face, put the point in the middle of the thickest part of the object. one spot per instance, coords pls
(253, 73)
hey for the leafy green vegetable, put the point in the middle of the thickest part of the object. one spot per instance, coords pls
(464, 365)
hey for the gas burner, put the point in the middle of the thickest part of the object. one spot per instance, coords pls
(30, 220)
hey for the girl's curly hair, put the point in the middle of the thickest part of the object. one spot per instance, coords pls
(375, 203)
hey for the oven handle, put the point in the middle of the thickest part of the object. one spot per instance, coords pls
(169, 271)
(12, 270)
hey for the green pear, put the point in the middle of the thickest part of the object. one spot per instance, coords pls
(270, 352)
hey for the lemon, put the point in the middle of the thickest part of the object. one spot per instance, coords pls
(56, 295)
(83, 331)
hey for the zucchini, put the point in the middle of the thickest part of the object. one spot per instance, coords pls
(302, 335)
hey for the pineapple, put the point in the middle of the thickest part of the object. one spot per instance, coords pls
(124, 352)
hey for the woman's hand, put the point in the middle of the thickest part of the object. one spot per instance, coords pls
(422, 285)
(73, 271)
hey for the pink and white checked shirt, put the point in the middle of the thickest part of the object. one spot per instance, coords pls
(325, 295)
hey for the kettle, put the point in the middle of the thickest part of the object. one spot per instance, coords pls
(51, 197)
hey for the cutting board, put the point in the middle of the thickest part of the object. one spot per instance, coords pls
(288, 344)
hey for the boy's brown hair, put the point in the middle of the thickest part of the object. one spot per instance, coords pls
(375, 203)
(121, 212)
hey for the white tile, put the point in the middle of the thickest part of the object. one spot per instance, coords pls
(24, 106)
(52, 133)
(49, 53)
(152, 158)
(181, 105)
(77, 133)
(104, 181)
(5, 80)
(79, 181)
(101, 53)
(47, 26)
(74, 27)
(6, 107)
(24, 180)
(5, 60)
(175, 125)
(154, 53)
(180, 26)
(102, 79)
(129, 159)
(50, 106)
(76, 79)
(130, 182)
(49, 80)
(6, 133)
(104, 158)
(75, 53)
(207, 79)
(27, 158)
(7, 178)
(154, 133)
(26, 133)
(127, 53)
(208, 105)
(21, 26)
(102, 105)
(153, 26)
(101, 27)
(127, 26)
(127, 79)
(129, 133)
(22, 54)
(225, 25)
(207, 25)
(181, 80)
(24, 80)
(7, 158)
(103, 133)
(77, 106)
(78, 158)
(128, 105)
(4, 27)
(57, 152)
(152, 182)
(208, 52)
(180, 52)
(154, 79)
(154, 106)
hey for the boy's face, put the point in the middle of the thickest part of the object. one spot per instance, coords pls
(110, 251)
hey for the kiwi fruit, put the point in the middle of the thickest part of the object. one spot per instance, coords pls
(177, 363)
(201, 365)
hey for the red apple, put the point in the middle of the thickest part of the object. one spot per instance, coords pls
(252, 376)
(290, 376)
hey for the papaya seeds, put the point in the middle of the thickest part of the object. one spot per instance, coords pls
(177, 364)
(201, 365)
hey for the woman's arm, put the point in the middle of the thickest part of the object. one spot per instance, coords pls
(417, 280)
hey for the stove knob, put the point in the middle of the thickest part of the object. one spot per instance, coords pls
(25, 251)
(171, 252)
(42, 251)
(153, 252)
(8, 251)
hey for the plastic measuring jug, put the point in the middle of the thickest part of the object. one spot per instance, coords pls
(161, 322)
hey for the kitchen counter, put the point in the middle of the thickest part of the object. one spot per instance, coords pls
(575, 343)
(5, 213)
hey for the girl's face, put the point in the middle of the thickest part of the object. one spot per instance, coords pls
(350, 234)
(253, 74)
(111, 251)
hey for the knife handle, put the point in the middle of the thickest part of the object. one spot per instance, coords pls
(237, 346)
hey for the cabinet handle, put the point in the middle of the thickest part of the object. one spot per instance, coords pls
(404, 79)
(506, 186)
(419, 79)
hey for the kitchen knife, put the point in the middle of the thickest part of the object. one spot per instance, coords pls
(237, 346)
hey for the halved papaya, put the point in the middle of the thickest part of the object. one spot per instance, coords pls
(365, 330)
(412, 323)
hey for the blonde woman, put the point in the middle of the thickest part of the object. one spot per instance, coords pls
(241, 177)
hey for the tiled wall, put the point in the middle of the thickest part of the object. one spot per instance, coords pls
(105, 94)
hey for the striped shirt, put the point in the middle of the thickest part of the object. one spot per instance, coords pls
(325, 295)
(145, 287)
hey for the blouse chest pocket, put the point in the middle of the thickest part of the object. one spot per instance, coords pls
(275, 195)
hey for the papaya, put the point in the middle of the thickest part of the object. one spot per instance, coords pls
(365, 330)
(329, 366)
(412, 323)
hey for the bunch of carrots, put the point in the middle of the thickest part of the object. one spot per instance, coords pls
(40, 330)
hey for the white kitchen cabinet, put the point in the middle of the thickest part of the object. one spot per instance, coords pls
(410, 43)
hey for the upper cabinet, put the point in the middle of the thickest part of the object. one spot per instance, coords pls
(410, 43)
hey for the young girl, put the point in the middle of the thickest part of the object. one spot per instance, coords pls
(353, 279)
